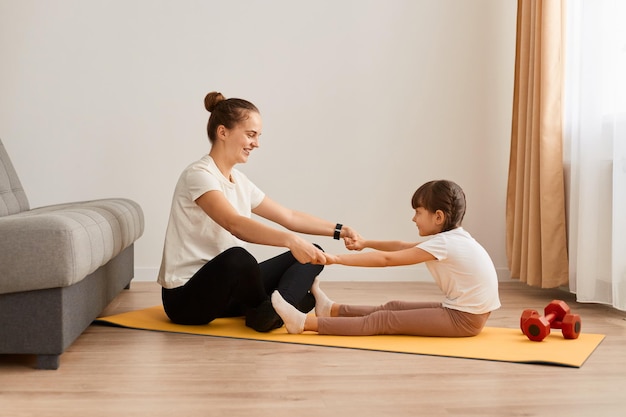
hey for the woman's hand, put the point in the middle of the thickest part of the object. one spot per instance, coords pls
(348, 233)
(357, 243)
(352, 239)
(306, 252)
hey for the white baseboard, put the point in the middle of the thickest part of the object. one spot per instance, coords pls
(417, 273)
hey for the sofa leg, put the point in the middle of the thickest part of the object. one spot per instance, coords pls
(48, 361)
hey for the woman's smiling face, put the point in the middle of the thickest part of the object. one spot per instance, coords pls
(244, 137)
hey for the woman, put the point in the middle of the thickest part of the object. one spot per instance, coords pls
(205, 271)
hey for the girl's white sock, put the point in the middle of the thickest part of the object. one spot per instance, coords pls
(323, 304)
(294, 319)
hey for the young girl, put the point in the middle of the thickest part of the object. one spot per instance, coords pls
(460, 266)
(205, 271)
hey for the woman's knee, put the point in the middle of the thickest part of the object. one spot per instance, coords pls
(238, 258)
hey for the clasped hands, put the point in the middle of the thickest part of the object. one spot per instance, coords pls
(305, 252)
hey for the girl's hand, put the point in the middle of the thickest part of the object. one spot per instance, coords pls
(329, 259)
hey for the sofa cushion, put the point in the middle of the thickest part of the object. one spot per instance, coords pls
(59, 245)
(12, 196)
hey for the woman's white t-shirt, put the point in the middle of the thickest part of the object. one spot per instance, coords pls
(192, 238)
(464, 272)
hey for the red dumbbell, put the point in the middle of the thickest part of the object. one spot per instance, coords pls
(556, 316)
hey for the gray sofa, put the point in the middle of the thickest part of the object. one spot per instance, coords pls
(60, 266)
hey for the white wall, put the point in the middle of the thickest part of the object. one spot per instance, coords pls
(362, 102)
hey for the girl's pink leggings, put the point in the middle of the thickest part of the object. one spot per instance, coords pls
(402, 317)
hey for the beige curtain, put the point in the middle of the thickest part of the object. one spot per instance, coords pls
(535, 208)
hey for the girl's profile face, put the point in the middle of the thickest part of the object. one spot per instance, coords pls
(242, 139)
(428, 223)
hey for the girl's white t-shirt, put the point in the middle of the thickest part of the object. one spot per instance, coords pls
(192, 238)
(464, 271)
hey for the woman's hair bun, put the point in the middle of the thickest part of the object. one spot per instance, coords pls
(213, 99)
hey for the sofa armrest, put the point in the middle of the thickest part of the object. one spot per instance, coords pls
(59, 245)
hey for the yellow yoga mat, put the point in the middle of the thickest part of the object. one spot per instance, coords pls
(496, 344)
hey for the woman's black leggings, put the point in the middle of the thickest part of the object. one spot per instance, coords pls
(233, 283)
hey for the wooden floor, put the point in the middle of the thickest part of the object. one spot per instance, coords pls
(112, 371)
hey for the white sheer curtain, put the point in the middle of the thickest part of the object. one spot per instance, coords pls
(595, 149)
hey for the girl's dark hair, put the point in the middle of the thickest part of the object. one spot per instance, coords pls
(227, 112)
(442, 195)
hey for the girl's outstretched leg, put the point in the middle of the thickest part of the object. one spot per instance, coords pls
(323, 304)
